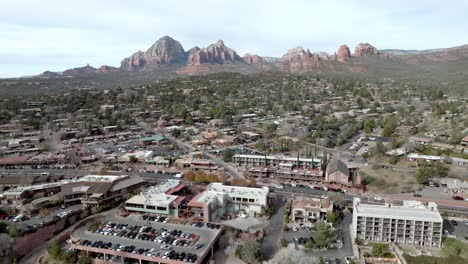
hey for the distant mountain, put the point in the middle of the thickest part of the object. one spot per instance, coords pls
(164, 52)
(86, 70)
(168, 57)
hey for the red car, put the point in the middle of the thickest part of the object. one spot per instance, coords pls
(458, 198)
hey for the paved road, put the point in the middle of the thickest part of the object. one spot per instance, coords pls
(274, 230)
(33, 255)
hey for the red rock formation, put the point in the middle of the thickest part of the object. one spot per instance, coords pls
(299, 59)
(343, 53)
(80, 71)
(165, 51)
(252, 59)
(107, 69)
(365, 49)
(214, 53)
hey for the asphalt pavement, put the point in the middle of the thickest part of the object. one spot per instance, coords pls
(274, 230)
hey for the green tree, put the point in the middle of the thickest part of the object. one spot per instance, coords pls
(84, 259)
(3, 227)
(68, 257)
(228, 154)
(322, 234)
(54, 249)
(422, 175)
(379, 250)
(332, 218)
(132, 159)
(13, 231)
(283, 242)
(176, 133)
(271, 128)
(369, 126)
(250, 252)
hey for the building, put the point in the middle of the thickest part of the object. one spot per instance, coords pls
(457, 188)
(141, 156)
(153, 140)
(409, 222)
(37, 190)
(283, 161)
(286, 175)
(158, 199)
(306, 211)
(251, 135)
(464, 141)
(420, 140)
(99, 189)
(218, 200)
(338, 173)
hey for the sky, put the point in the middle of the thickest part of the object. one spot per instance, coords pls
(56, 34)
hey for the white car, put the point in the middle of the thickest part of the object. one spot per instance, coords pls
(378, 198)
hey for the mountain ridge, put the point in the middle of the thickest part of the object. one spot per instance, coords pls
(169, 54)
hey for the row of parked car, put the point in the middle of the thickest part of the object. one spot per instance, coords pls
(207, 225)
(147, 233)
(17, 218)
(160, 219)
(149, 252)
(312, 187)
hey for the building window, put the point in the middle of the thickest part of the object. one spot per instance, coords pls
(251, 200)
(161, 208)
(244, 199)
(151, 207)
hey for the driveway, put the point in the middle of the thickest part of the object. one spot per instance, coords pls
(274, 230)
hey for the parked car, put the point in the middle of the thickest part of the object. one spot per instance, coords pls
(458, 198)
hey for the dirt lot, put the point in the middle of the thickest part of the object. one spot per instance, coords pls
(390, 179)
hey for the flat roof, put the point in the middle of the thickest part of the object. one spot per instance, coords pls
(233, 190)
(101, 178)
(409, 210)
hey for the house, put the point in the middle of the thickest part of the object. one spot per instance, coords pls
(251, 135)
(209, 134)
(457, 188)
(464, 141)
(338, 173)
(420, 140)
(442, 146)
(306, 211)
(216, 123)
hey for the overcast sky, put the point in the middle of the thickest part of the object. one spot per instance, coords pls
(58, 34)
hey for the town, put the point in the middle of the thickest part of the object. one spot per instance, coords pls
(199, 169)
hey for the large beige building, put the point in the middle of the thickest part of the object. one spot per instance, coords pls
(410, 222)
(306, 211)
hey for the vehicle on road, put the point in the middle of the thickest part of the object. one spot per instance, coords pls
(417, 195)
(458, 198)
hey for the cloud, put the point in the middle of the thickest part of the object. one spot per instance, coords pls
(56, 35)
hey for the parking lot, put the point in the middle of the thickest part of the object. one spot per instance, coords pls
(456, 228)
(344, 243)
(150, 238)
